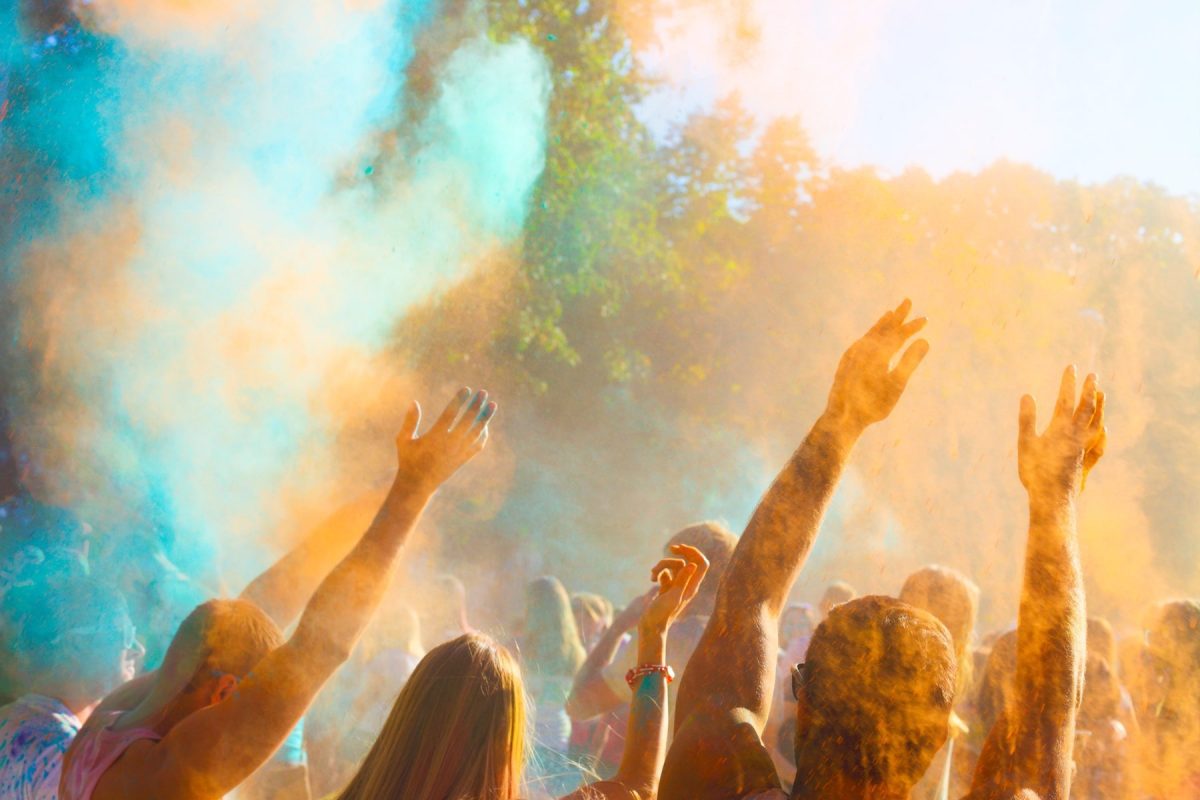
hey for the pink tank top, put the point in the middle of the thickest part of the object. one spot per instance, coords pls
(97, 748)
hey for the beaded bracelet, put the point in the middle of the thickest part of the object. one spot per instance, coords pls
(632, 676)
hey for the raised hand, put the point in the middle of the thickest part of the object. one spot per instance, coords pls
(1060, 459)
(866, 388)
(427, 461)
(678, 580)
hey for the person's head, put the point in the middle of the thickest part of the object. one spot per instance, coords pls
(874, 695)
(1172, 660)
(45, 16)
(72, 639)
(836, 593)
(954, 599)
(1101, 640)
(1101, 693)
(716, 543)
(997, 681)
(445, 609)
(457, 730)
(796, 624)
(551, 642)
(215, 647)
(593, 614)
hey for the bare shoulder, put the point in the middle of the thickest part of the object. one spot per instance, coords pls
(717, 754)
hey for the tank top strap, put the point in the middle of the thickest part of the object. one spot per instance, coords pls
(96, 748)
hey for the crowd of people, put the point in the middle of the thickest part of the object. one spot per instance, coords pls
(712, 685)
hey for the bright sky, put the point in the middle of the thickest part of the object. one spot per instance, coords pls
(1086, 89)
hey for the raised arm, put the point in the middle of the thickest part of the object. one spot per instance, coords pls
(283, 588)
(215, 749)
(725, 695)
(734, 664)
(591, 695)
(645, 750)
(1030, 747)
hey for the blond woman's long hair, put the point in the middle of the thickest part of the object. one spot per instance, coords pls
(456, 732)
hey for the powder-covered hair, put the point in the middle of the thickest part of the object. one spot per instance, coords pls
(222, 636)
(878, 686)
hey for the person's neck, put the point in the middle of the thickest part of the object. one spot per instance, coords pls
(79, 700)
(160, 710)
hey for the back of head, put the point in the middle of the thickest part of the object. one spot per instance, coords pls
(835, 594)
(593, 614)
(74, 631)
(593, 607)
(878, 686)
(457, 730)
(220, 637)
(717, 544)
(798, 622)
(444, 609)
(954, 599)
(1173, 644)
(997, 681)
(1101, 639)
(551, 643)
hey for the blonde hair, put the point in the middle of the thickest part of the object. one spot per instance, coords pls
(456, 732)
(229, 636)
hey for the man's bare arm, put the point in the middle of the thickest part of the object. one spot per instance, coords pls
(1031, 748)
(215, 749)
(734, 664)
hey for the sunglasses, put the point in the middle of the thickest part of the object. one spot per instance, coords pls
(797, 680)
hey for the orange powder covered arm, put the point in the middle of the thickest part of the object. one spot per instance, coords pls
(726, 692)
(211, 751)
(679, 578)
(1029, 749)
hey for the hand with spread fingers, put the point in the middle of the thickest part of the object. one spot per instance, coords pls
(678, 578)
(1060, 459)
(866, 388)
(455, 438)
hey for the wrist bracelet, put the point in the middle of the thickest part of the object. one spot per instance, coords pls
(634, 674)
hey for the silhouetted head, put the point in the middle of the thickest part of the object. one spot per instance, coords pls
(1101, 640)
(457, 730)
(551, 643)
(1173, 658)
(716, 543)
(593, 614)
(836, 593)
(954, 599)
(874, 694)
(215, 647)
(997, 681)
(445, 609)
(797, 624)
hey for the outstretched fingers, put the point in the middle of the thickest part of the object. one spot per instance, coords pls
(666, 569)
(452, 410)
(695, 558)
(909, 362)
(1086, 410)
(1065, 404)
